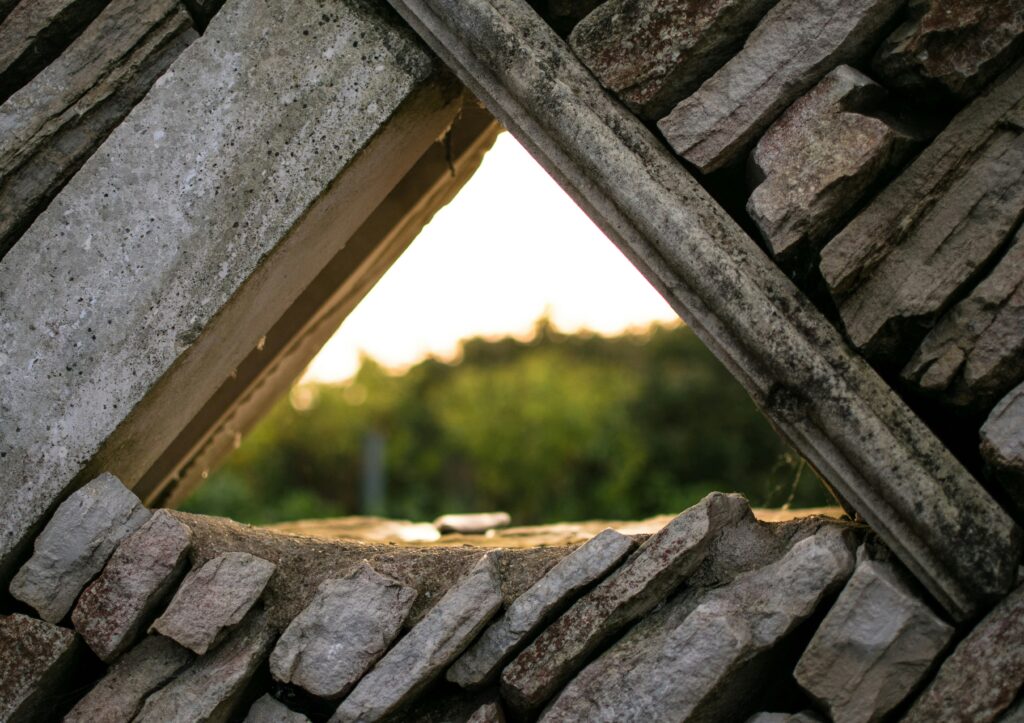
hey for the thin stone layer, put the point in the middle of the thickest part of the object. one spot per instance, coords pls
(36, 658)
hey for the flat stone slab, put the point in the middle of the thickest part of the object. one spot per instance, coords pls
(270, 710)
(213, 599)
(119, 695)
(113, 610)
(348, 627)
(652, 54)
(796, 43)
(75, 545)
(525, 617)
(426, 650)
(35, 660)
(873, 648)
(658, 566)
(1002, 444)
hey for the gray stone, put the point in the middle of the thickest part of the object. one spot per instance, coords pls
(957, 47)
(75, 545)
(270, 710)
(922, 243)
(816, 162)
(549, 596)
(113, 610)
(472, 524)
(644, 580)
(36, 658)
(214, 598)
(1002, 445)
(347, 627)
(801, 717)
(972, 356)
(873, 648)
(796, 43)
(652, 54)
(426, 650)
(985, 672)
(211, 689)
(52, 125)
(119, 695)
(704, 657)
(488, 713)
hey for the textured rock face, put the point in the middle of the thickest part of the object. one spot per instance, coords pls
(643, 581)
(816, 162)
(426, 650)
(652, 54)
(956, 46)
(75, 545)
(796, 43)
(488, 713)
(524, 617)
(269, 710)
(873, 648)
(1002, 444)
(702, 657)
(35, 657)
(113, 609)
(122, 691)
(984, 674)
(345, 630)
(213, 599)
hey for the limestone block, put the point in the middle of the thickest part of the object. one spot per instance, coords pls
(796, 43)
(644, 580)
(472, 524)
(347, 628)
(549, 596)
(873, 648)
(1002, 445)
(119, 695)
(213, 599)
(35, 660)
(816, 162)
(921, 243)
(426, 650)
(113, 610)
(270, 710)
(75, 545)
(652, 54)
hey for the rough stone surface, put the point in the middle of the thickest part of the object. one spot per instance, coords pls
(796, 43)
(801, 717)
(973, 355)
(983, 676)
(119, 695)
(213, 599)
(923, 241)
(35, 658)
(817, 161)
(210, 688)
(75, 545)
(472, 524)
(873, 648)
(643, 581)
(349, 625)
(703, 656)
(426, 650)
(523, 619)
(488, 713)
(954, 46)
(652, 54)
(270, 710)
(1002, 445)
(113, 610)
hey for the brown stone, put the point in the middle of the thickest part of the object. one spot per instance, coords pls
(1002, 445)
(35, 659)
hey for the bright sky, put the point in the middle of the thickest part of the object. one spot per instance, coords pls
(509, 247)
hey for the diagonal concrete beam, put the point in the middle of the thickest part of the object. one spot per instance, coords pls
(856, 432)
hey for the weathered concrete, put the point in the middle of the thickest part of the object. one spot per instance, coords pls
(213, 599)
(1002, 445)
(269, 710)
(76, 544)
(472, 524)
(652, 54)
(873, 648)
(642, 582)
(119, 695)
(426, 650)
(956, 47)
(575, 572)
(816, 162)
(35, 658)
(923, 241)
(703, 659)
(347, 628)
(796, 43)
(113, 610)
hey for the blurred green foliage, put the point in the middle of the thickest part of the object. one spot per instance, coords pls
(560, 427)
